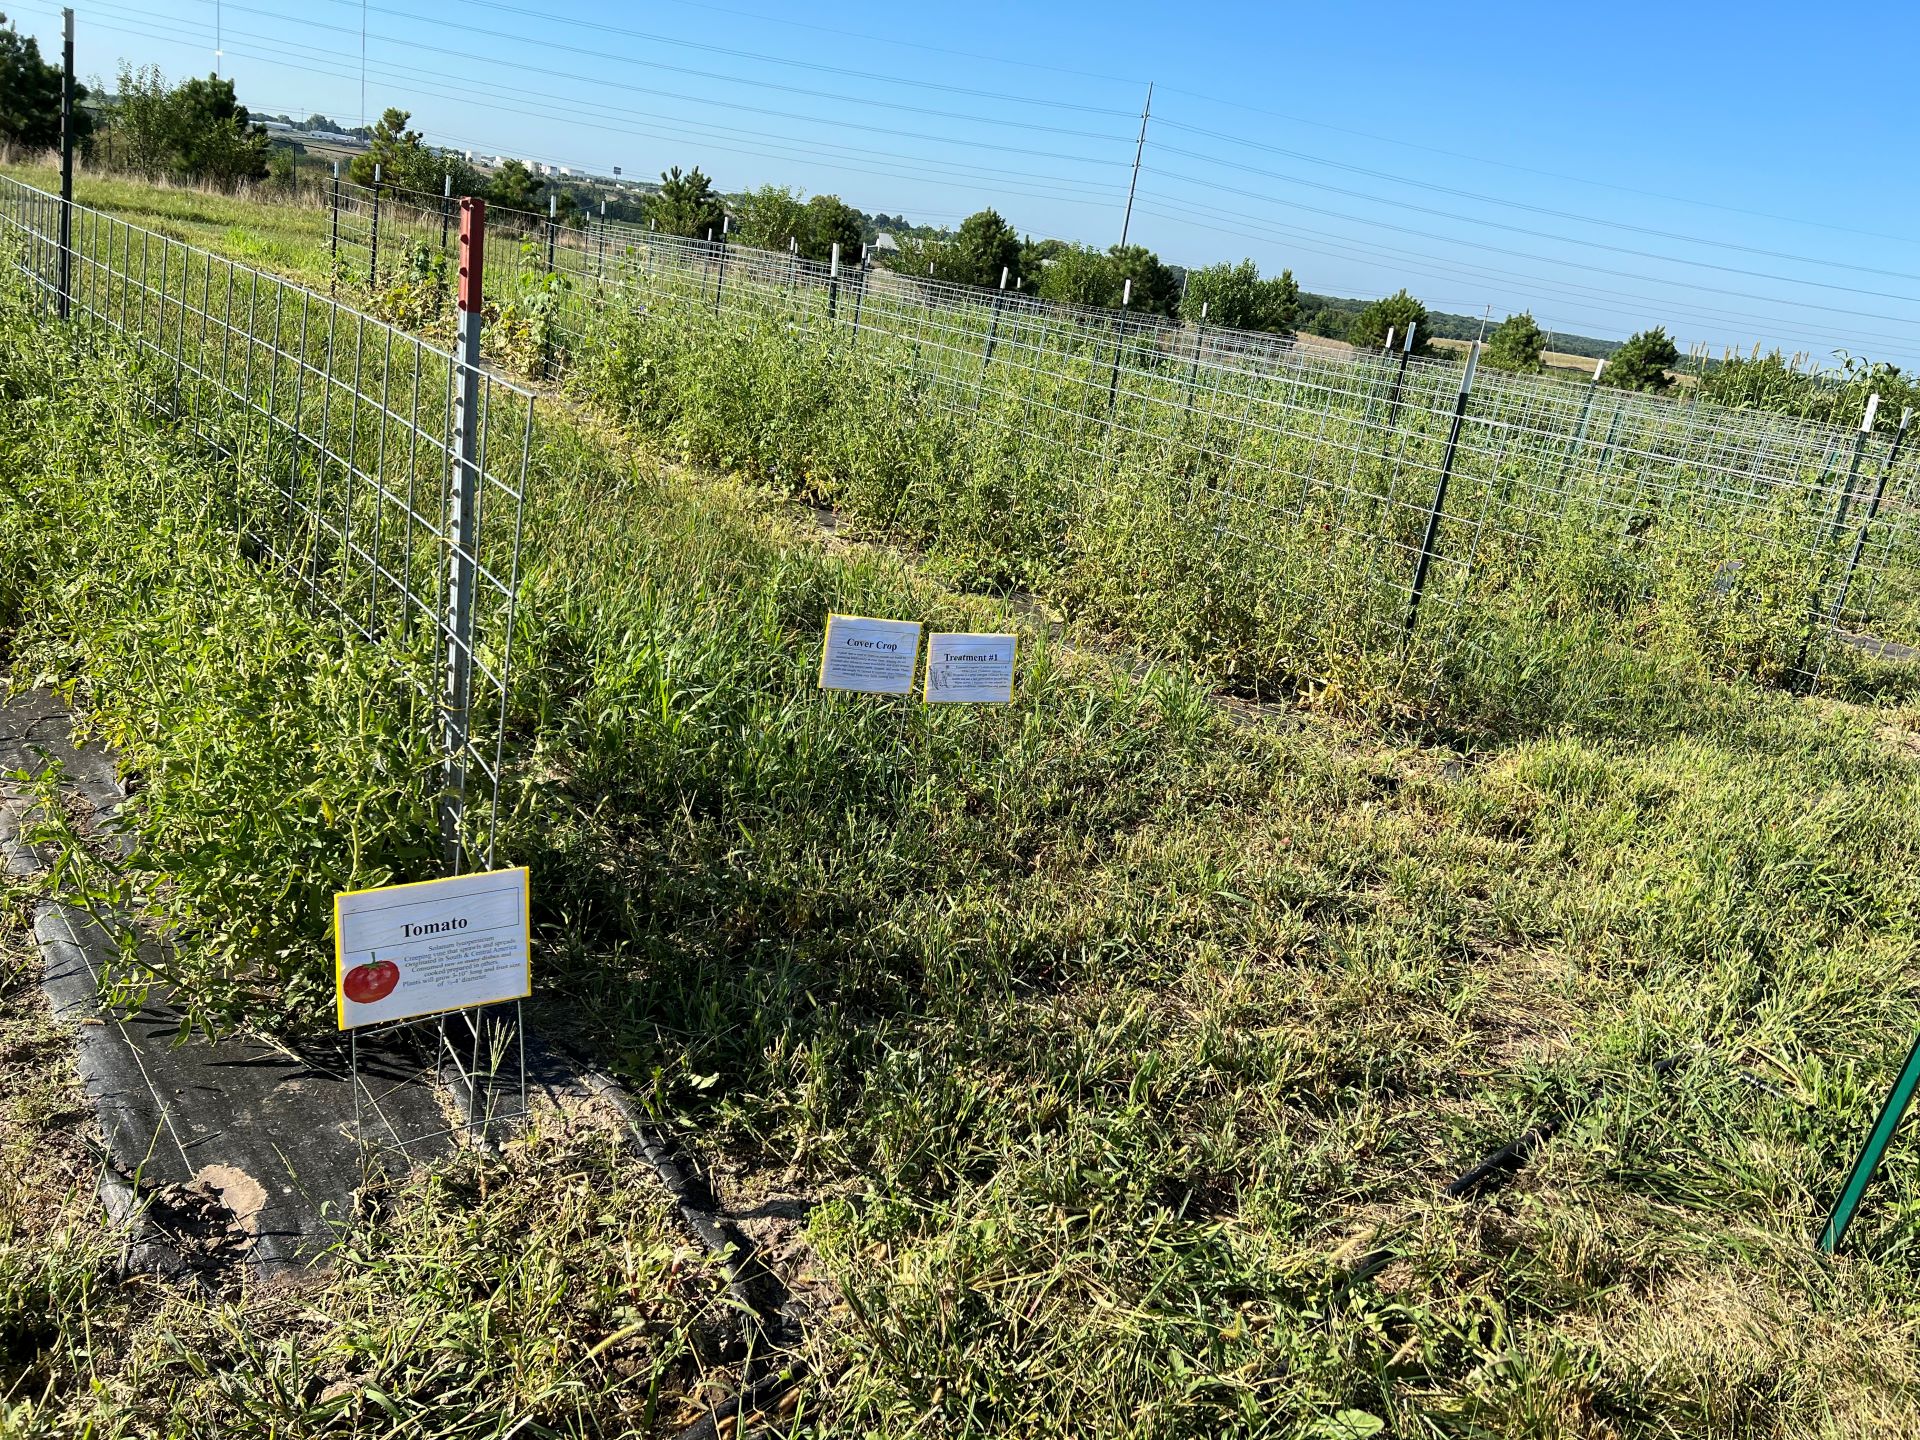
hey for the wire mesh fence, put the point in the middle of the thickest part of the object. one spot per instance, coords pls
(1289, 514)
(346, 442)
(1302, 506)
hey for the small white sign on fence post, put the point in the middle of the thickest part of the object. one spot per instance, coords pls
(875, 657)
(977, 668)
(404, 951)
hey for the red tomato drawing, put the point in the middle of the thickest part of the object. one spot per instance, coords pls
(372, 981)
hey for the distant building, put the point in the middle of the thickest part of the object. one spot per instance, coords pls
(884, 241)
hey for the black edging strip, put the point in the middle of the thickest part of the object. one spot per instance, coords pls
(771, 1330)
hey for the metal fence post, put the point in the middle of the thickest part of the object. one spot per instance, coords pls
(463, 526)
(1400, 375)
(1199, 341)
(1613, 430)
(333, 230)
(1437, 510)
(1119, 340)
(833, 283)
(860, 292)
(1853, 471)
(446, 208)
(1832, 619)
(993, 326)
(373, 248)
(66, 166)
(720, 268)
(553, 227)
(1885, 1125)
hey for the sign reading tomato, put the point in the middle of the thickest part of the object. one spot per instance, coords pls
(404, 951)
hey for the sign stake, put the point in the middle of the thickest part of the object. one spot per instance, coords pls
(1861, 1176)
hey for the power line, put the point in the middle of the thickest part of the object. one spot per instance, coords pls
(837, 97)
(1518, 254)
(1623, 225)
(1528, 230)
(1535, 170)
(421, 80)
(600, 27)
(572, 77)
(1414, 262)
(549, 107)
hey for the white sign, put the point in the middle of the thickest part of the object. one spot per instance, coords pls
(969, 667)
(407, 950)
(874, 656)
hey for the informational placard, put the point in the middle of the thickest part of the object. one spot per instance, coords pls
(408, 950)
(975, 668)
(873, 656)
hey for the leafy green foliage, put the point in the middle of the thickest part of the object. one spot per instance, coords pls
(685, 204)
(1516, 345)
(1835, 396)
(831, 221)
(30, 95)
(1109, 1030)
(985, 248)
(1236, 295)
(769, 218)
(1076, 275)
(1643, 362)
(406, 163)
(1155, 290)
(245, 829)
(515, 186)
(196, 131)
(1396, 312)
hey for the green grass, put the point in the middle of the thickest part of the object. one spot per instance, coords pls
(1107, 1031)
(546, 1287)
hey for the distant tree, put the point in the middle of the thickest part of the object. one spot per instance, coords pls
(1074, 274)
(985, 247)
(408, 164)
(1036, 255)
(685, 204)
(396, 150)
(195, 131)
(1642, 362)
(1516, 345)
(927, 256)
(320, 122)
(515, 187)
(831, 221)
(1226, 294)
(1236, 295)
(30, 96)
(1155, 291)
(1396, 312)
(1280, 303)
(769, 217)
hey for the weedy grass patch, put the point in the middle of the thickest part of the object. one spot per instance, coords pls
(1108, 1032)
(547, 1289)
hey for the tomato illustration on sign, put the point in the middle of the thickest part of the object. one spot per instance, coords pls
(364, 984)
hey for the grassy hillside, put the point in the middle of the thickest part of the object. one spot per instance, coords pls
(1103, 1036)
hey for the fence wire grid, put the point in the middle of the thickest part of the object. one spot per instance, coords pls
(342, 436)
(1367, 501)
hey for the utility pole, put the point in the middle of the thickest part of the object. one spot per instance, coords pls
(1138, 146)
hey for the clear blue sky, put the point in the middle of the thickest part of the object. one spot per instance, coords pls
(1734, 171)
